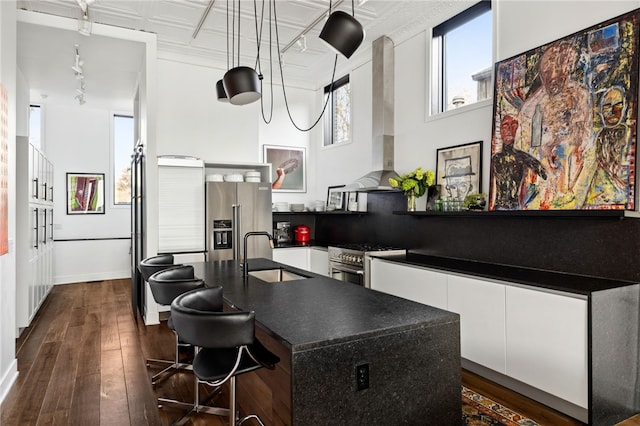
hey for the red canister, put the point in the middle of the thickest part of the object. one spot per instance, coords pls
(302, 233)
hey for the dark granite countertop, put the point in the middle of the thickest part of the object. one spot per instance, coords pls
(558, 281)
(317, 311)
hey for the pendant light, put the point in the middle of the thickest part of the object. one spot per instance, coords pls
(241, 84)
(342, 32)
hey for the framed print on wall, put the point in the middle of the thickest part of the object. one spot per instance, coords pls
(459, 170)
(564, 122)
(85, 193)
(336, 197)
(288, 168)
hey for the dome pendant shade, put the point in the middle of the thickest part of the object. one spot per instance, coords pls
(343, 33)
(242, 85)
(222, 95)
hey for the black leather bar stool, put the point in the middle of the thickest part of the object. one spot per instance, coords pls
(148, 267)
(165, 286)
(225, 343)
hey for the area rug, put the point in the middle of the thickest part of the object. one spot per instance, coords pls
(478, 410)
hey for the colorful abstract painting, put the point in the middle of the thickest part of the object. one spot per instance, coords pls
(564, 122)
(4, 171)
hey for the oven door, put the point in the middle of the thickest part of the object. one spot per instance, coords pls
(346, 273)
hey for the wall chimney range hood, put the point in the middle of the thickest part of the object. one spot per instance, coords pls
(383, 63)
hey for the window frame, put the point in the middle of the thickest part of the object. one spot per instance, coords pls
(112, 180)
(328, 120)
(41, 145)
(438, 99)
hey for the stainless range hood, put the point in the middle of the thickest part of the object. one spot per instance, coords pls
(383, 63)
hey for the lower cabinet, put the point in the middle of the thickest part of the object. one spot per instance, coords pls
(319, 261)
(547, 342)
(417, 284)
(481, 305)
(532, 336)
(298, 257)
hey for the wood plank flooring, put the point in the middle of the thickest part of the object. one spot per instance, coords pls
(82, 362)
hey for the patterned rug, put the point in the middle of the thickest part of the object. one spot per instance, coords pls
(478, 410)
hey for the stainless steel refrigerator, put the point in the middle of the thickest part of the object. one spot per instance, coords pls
(232, 210)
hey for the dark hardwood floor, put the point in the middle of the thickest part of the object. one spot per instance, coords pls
(82, 362)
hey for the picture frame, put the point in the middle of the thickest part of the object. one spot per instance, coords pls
(459, 170)
(85, 193)
(336, 196)
(288, 167)
(565, 121)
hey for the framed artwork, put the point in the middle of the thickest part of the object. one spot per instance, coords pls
(288, 169)
(85, 193)
(459, 170)
(336, 196)
(564, 122)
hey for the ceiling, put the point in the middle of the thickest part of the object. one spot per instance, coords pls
(46, 54)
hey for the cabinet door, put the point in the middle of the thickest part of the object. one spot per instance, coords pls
(547, 342)
(319, 261)
(482, 319)
(412, 283)
(298, 257)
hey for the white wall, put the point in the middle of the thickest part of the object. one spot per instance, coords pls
(78, 140)
(8, 364)
(417, 136)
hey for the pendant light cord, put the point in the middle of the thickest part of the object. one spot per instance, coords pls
(228, 35)
(258, 64)
(238, 33)
(284, 92)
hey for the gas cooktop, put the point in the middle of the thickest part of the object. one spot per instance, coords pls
(365, 247)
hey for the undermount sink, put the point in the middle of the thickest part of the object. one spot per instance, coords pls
(276, 275)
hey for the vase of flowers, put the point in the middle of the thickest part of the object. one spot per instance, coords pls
(414, 185)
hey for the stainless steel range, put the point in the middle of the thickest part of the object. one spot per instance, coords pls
(352, 262)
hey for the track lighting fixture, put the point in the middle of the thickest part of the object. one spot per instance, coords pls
(84, 23)
(79, 73)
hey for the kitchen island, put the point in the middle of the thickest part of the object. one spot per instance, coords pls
(349, 355)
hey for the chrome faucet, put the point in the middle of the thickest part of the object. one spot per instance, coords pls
(245, 267)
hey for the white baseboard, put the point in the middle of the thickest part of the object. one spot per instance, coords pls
(98, 276)
(8, 378)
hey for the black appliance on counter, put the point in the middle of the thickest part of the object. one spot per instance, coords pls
(352, 262)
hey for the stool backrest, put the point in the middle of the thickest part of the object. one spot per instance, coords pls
(198, 321)
(153, 264)
(170, 283)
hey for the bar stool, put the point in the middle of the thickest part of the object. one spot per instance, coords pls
(225, 344)
(165, 286)
(148, 267)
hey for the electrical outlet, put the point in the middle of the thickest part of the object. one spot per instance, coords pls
(362, 376)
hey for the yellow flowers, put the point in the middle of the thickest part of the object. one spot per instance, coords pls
(417, 182)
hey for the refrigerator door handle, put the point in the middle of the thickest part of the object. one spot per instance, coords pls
(236, 231)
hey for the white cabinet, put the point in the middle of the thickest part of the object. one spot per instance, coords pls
(34, 230)
(319, 261)
(530, 335)
(298, 257)
(481, 305)
(547, 342)
(181, 208)
(413, 283)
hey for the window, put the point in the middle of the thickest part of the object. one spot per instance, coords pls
(462, 59)
(122, 150)
(337, 118)
(35, 125)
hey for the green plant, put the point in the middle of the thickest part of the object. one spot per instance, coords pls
(415, 183)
